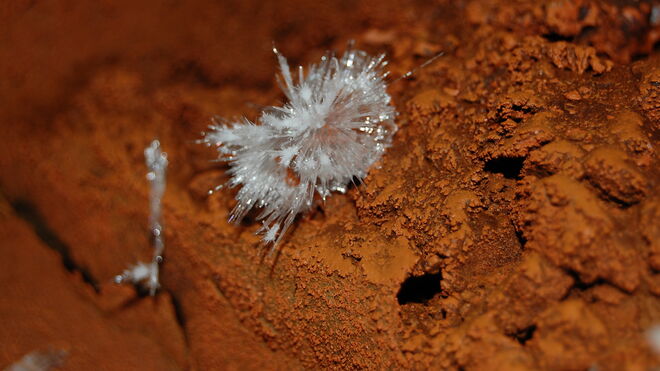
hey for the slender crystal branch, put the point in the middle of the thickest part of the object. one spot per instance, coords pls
(146, 274)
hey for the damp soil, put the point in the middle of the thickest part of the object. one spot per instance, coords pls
(513, 225)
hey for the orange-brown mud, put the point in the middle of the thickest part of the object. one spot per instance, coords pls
(513, 225)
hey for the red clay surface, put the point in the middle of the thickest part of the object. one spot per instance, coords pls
(513, 225)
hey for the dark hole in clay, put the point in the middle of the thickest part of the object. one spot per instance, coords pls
(510, 167)
(554, 37)
(521, 238)
(525, 334)
(419, 289)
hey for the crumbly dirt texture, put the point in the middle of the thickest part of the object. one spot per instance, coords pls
(513, 225)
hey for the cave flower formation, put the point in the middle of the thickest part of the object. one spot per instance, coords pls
(337, 122)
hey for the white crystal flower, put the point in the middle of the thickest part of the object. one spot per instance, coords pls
(337, 122)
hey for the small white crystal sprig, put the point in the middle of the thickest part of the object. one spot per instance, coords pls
(39, 360)
(146, 274)
(337, 122)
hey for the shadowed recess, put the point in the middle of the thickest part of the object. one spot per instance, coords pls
(419, 289)
(524, 334)
(29, 213)
(510, 167)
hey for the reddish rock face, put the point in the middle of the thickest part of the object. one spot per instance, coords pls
(512, 225)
